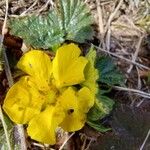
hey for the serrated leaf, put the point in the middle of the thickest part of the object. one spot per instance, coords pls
(102, 107)
(39, 31)
(69, 21)
(76, 20)
(97, 126)
(108, 72)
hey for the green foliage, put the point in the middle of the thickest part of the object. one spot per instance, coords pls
(10, 129)
(108, 72)
(108, 76)
(69, 21)
(102, 107)
(76, 20)
(38, 31)
(97, 126)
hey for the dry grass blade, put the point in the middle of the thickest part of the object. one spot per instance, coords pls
(147, 136)
(138, 92)
(62, 146)
(29, 8)
(120, 57)
(1, 112)
(100, 23)
(108, 30)
(136, 53)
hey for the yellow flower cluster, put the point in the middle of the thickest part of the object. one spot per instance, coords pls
(53, 93)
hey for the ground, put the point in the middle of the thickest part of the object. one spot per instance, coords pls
(121, 30)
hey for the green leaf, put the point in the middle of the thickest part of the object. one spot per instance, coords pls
(38, 31)
(10, 129)
(69, 21)
(76, 20)
(102, 107)
(108, 72)
(97, 126)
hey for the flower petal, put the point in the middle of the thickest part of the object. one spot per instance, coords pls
(73, 122)
(74, 118)
(23, 101)
(68, 67)
(43, 127)
(37, 64)
(85, 99)
(91, 73)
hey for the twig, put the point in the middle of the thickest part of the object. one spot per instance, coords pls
(22, 136)
(100, 23)
(38, 145)
(3, 2)
(145, 140)
(87, 148)
(84, 144)
(135, 54)
(138, 92)
(29, 8)
(62, 146)
(113, 14)
(120, 57)
(1, 45)
(100, 18)
(7, 69)
(48, 1)
(108, 30)
(108, 36)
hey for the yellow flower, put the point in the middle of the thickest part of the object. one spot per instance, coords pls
(47, 98)
(75, 104)
(68, 66)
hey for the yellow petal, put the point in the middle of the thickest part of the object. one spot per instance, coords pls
(85, 99)
(73, 122)
(23, 101)
(42, 128)
(68, 65)
(37, 64)
(74, 118)
(91, 73)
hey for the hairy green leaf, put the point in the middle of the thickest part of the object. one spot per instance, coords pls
(102, 107)
(97, 126)
(39, 31)
(108, 72)
(76, 20)
(69, 21)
